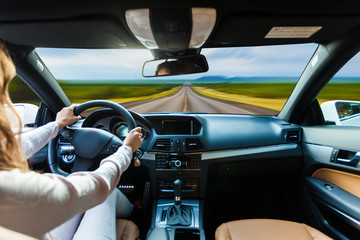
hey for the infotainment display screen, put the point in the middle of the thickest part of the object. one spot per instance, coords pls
(176, 127)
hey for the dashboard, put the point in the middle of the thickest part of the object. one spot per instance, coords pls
(194, 146)
(182, 133)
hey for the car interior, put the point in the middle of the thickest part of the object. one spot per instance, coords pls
(204, 175)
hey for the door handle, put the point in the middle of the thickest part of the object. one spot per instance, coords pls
(354, 161)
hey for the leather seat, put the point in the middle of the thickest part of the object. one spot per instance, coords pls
(259, 229)
(126, 230)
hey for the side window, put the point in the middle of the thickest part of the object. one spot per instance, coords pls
(26, 102)
(340, 99)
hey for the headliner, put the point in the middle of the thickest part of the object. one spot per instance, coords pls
(101, 24)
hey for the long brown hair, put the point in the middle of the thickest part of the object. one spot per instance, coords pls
(11, 154)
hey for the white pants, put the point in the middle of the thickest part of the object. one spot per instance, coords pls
(96, 223)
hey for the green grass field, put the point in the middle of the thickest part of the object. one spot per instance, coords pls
(341, 91)
(77, 93)
(274, 95)
(347, 91)
(21, 93)
(258, 90)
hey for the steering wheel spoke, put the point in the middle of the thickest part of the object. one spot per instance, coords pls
(112, 146)
(82, 164)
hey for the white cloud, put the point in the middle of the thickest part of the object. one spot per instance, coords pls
(109, 58)
(260, 61)
(66, 62)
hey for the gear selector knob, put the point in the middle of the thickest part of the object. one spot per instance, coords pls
(179, 214)
(177, 192)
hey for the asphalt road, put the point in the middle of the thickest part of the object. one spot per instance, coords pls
(187, 100)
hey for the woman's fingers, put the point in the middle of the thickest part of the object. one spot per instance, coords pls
(66, 116)
(134, 139)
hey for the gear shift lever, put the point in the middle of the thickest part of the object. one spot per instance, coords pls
(179, 214)
(177, 192)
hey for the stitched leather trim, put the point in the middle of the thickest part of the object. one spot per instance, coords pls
(347, 181)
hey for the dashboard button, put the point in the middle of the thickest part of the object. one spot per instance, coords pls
(177, 163)
(114, 147)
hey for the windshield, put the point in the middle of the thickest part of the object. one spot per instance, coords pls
(247, 80)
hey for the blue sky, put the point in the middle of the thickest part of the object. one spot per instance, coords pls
(287, 60)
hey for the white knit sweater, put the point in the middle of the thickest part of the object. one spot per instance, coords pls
(34, 203)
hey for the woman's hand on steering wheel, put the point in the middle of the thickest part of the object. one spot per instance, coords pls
(66, 116)
(90, 144)
(134, 139)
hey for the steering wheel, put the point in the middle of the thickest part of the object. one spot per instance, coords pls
(89, 143)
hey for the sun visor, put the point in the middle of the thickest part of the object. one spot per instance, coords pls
(242, 30)
(89, 33)
(293, 32)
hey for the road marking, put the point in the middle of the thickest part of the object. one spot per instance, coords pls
(191, 101)
(185, 101)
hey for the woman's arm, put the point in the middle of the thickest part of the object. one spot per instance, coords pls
(32, 141)
(36, 139)
(33, 203)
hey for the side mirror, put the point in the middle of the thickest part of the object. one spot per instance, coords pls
(342, 112)
(27, 113)
(175, 66)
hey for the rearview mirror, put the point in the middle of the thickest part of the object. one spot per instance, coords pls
(175, 66)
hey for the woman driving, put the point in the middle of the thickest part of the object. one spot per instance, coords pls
(49, 206)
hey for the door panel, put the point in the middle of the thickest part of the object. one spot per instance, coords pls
(332, 177)
(343, 137)
(332, 198)
(348, 182)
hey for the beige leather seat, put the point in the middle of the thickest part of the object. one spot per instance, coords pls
(125, 230)
(259, 229)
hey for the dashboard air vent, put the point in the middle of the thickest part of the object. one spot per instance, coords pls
(162, 144)
(193, 144)
(293, 136)
(63, 140)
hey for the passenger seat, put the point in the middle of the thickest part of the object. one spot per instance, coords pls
(259, 229)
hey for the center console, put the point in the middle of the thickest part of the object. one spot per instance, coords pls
(177, 179)
(174, 166)
(177, 219)
(177, 214)
(194, 231)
